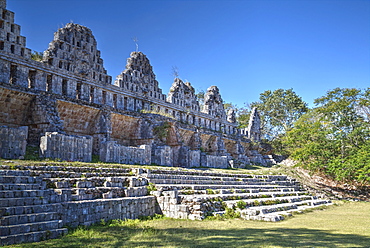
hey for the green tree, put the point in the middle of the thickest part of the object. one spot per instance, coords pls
(243, 114)
(229, 105)
(340, 113)
(279, 109)
(333, 138)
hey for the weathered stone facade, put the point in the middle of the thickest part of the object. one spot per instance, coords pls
(66, 147)
(68, 93)
(13, 142)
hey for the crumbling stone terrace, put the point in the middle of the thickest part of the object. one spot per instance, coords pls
(38, 201)
(66, 104)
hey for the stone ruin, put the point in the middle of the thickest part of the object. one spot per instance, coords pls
(65, 104)
(38, 201)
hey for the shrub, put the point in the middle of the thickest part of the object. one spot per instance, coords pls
(151, 187)
(231, 213)
(210, 192)
(241, 204)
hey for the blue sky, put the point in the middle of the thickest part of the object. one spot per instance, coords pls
(243, 46)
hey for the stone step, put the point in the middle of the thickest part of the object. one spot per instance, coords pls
(317, 202)
(72, 174)
(166, 187)
(267, 202)
(19, 180)
(197, 177)
(78, 194)
(23, 201)
(33, 236)
(289, 207)
(277, 213)
(91, 182)
(248, 178)
(22, 186)
(181, 172)
(26, 193)
(49, 167)
(251, 201)
(251, 196)
(188, 181)
(19, 210)
(15, 173)
(218, 182)
(28, 218)
(273, 217)
(261, 210)
(30, 227)
(240, 191)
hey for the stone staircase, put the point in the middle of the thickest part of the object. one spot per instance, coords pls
(197, 194)
(38, 201)
(28, 210)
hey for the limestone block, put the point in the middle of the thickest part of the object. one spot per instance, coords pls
(13, 142)
(60, 146)
(163, 155)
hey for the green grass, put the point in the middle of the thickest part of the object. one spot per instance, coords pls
(96, 163)
(345, 225)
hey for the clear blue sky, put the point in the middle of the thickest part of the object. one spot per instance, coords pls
(243, 46)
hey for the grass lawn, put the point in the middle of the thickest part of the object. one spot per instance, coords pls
(345, 225)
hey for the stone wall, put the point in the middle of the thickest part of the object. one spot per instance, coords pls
(163, 155)
(69, 92)
(77, 119)
(14, 107)
(168, 205)
(183, 94)
(215, 161)
(66, 147)
(89, 212)
(110, 151)
(194, 158)
(13, 141)
(125, 129)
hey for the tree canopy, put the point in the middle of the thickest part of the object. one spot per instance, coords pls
(333, 138)
(279, 109)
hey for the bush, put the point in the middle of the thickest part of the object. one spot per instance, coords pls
(210, 192)
(151, 187)
(231, 213)
(241, 204)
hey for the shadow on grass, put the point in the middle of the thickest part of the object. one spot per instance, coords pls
(194, 237)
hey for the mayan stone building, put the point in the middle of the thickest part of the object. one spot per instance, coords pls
(66, 104)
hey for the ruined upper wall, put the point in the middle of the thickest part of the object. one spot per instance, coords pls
(213, 103)
(3, 4)
(10, 39)
(139, 77)
(74, 49)
(183, 94)
(73, 70)
(254, 126)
